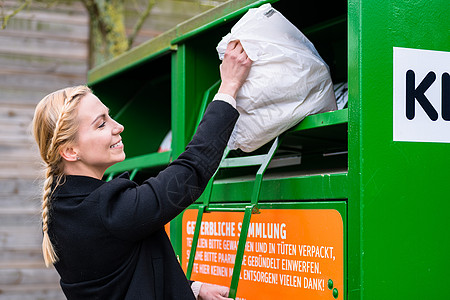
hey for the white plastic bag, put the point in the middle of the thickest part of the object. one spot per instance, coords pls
(341, 94)
(287, 82)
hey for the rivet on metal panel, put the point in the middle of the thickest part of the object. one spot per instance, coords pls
(330, 284)
(255, 210)
(335, 293)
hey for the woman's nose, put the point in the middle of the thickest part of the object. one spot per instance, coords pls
(118, 128)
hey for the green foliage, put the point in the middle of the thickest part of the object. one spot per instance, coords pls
(5, 18)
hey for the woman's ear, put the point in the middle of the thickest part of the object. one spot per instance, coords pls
(69, 154)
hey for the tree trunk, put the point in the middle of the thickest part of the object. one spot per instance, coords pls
(108, 36)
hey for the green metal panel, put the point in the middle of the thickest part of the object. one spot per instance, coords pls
(321, 120)
(214, 18)
(142, 162)
(398, 201)
(354, 284)
(202, 71)
(135, 57)
(178, 127)
(327, 186)
(178, 101)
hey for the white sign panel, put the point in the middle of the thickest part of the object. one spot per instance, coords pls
(421, 95)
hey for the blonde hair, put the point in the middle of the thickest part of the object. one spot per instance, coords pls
(54, 127)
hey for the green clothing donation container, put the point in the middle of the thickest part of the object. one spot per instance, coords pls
(349, 204)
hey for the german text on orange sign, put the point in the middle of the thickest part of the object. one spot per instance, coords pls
(289, 254)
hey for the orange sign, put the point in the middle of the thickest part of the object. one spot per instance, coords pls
(289, 254)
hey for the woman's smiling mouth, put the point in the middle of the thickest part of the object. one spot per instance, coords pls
(116, 145)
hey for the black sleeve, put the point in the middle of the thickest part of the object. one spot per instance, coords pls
(133, 212)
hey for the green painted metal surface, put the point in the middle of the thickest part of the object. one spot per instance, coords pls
(201, 210)
(135, 57)
(240, 250)
(178, 127)
(146, 161)
(398, 201)
(331, 118)
(326, 186)
(214, 18)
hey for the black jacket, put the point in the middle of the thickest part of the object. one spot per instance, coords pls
(109, 236)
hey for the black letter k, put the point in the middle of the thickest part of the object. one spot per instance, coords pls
(418, 93)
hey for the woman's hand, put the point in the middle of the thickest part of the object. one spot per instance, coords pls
(213, 292)
(234, 69)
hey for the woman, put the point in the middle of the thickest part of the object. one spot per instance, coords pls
(107, 239)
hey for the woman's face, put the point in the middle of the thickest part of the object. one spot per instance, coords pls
(98, 143)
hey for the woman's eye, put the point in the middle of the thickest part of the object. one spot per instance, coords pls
(102, 125)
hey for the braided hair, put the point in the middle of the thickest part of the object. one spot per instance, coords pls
(55, 127)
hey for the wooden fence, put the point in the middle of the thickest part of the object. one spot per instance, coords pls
(44, 49)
